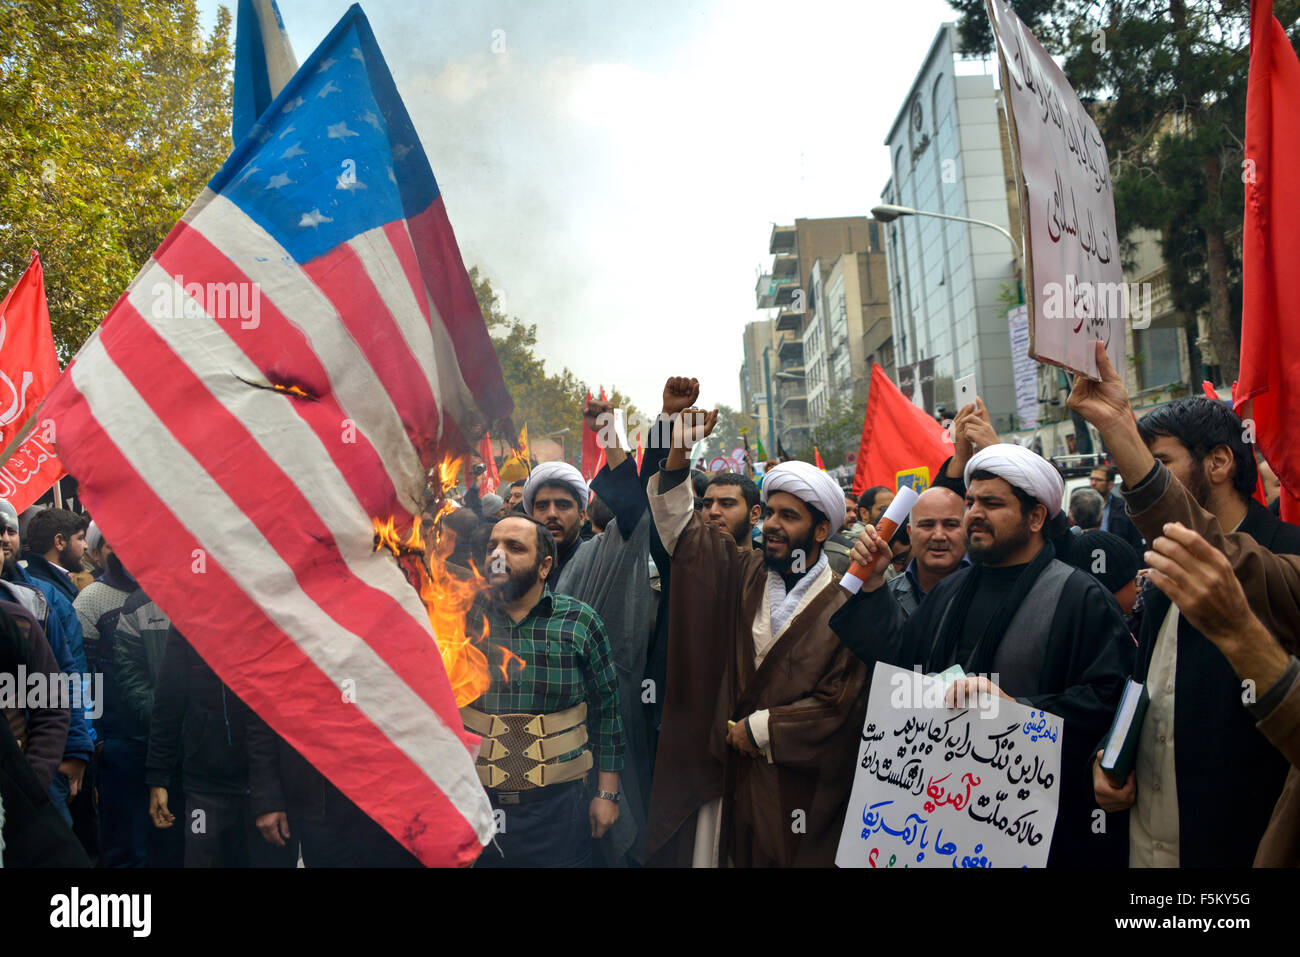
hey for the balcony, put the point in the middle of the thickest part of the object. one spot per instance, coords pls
(770, 292)
(790, 320)
(793, 399)
(782, 240)
(790, 350)
(785, 267)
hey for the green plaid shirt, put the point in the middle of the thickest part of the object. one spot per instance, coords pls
(566, 660)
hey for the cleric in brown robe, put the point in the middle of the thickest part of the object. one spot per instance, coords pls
(756, 770)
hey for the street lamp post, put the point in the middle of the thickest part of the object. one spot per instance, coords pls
(788, 377)
(889, 212)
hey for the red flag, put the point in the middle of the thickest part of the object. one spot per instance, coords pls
(1269, 384)
(817, 459)
(896, 435)
(490, 480)
(593, 454)
(29, 367)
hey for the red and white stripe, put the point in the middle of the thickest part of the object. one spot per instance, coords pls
(245, 513)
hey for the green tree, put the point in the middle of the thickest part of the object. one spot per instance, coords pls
(113, 116)
(545, 402)
(727, 434)
(837, 433)
(1168, 83)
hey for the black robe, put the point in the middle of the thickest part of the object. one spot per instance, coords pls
(1087, 656)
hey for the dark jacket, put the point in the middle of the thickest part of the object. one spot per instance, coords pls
(138, 645)
(34, 834)
(281, 779)
(906, 587)
(52, 612)
(1118, 523)
(197, 722)
(98, 607)
(41, 568)
(1228, 774)
(41, 733)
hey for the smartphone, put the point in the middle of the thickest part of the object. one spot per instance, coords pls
(965, 391)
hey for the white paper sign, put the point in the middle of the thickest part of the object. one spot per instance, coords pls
(1073, 276)
(950, 787)
(1023, 369)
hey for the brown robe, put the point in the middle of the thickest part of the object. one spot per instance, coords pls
(1272, 586)
(788, 812)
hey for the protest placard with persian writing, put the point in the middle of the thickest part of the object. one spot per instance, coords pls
(950, 787)
(1074, 283)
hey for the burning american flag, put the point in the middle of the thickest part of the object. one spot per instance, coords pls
(299, 353)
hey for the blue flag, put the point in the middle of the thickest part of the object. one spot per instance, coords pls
(264, 62)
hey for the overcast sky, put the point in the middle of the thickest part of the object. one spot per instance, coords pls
(617, 168)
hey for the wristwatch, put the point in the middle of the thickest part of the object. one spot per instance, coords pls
(608, 795)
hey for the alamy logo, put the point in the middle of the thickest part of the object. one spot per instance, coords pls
(218, 300)
(1085, 301)
(38, 691)
(72, 910)
(919, 690)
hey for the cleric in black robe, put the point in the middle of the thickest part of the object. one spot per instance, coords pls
(1048, 635)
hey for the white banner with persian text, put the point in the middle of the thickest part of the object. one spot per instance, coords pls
(950, 787)
(1073, 277)
(1023, 370)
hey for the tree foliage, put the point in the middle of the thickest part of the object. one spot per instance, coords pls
(727, 435)
(1168, 85)
(837, 433)
(113, 116)
(545, 402)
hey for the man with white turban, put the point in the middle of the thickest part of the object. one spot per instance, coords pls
(556, 495)
(1019, 622)
(763, 707)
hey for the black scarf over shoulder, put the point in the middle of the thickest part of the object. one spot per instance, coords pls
(944, 651)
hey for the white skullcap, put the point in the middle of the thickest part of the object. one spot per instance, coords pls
(8, 516)
(810, 485)
(94, 537)
(1020, 467)
(561, 472)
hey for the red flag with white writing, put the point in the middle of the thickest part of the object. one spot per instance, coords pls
(1268, 388)
(897, 435)
(29, 367)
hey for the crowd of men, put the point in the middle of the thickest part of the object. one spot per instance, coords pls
(690, 672)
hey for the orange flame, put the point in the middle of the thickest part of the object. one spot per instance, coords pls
(447, 597)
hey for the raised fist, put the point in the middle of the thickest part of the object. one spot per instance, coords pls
(692, 426)
(598, 414)
(680, 393)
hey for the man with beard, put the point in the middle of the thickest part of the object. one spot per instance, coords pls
(840, 545)
(1113, 518)
(872, 504)
(515, 496)
(1050, 633)
(556, 495)
(763, 708)
(1200, 756)
(534, 722)
(731, 505)
(938, 546)
(55, 614)
(56, 540)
